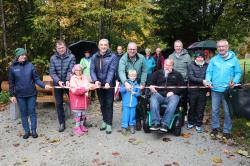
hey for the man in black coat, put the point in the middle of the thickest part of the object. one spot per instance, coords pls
(61, 64)
(168, 96)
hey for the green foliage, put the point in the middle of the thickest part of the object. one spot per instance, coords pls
(192, 21)
(42, 64)
(4, 97)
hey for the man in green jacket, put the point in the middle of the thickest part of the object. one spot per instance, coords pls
(181, 59)
(133, 61)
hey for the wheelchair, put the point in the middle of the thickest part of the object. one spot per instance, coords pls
(176, 123)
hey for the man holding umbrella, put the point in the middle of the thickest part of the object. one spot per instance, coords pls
(61, 64)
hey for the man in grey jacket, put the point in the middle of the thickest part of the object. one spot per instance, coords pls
(181, 62)
(61, 64)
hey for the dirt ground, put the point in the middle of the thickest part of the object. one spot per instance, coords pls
(97, 148)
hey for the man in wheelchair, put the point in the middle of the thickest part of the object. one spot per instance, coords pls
(162, 93)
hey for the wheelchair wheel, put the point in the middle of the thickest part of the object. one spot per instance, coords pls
(177, 126)
(145, 124)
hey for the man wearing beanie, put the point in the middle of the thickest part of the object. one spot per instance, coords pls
(223, 72)
(196, 76)
(22, 79)
(61, 64)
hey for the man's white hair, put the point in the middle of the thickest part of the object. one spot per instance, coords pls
(103, 40)
(223, 40)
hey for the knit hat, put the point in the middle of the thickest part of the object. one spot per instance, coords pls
(77, 67)
(19, 52)
(199, 53)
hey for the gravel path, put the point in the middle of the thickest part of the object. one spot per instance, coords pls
(98, 148)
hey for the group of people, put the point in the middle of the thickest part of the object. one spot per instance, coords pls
(135, 72)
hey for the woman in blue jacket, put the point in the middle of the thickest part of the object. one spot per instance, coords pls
(22, 79)
(150, 63)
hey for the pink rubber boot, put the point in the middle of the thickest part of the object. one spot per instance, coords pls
(78, 131)
(83, 128)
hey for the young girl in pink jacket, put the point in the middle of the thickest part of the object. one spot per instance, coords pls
(78, 93)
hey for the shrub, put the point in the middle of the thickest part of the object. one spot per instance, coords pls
(4, 97)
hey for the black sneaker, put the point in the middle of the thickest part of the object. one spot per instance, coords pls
(155, 127)
(214, 133)
(26, 135)
(164, 128)
(227, 136)
(34, 134)
(138, 125)
(61, 127)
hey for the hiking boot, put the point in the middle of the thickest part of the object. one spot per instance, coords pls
(155, 127)
(214, 133)
(83, 128)
(138, 125)
(108, 129)
(199, 129)
(61, 127)
(34, 134)
(132, 129)
(164, 128)
(78, 131)
(189, 126)
(103, 126)
(227, 136)
(26, 135)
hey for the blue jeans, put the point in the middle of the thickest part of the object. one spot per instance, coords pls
(155, 101)
(128, 117)
(217, 99)
(27, 107)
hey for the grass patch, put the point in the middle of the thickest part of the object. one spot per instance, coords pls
(241, 132)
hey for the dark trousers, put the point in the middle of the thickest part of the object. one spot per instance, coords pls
(106, 99)
(197, 106)
(27, 107)
(59, 104)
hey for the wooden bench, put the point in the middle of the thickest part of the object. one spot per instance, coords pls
(44, 95)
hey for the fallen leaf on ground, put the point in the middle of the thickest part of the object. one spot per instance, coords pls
(151, 152)
(217, 159)
(115, 154)
(176, 164)
(243, 153)
(200, 151)
(185, 135)
(119, 131)
(131, 140)
(166, 139)
(54, 140)
(187, 142)
(226, 151)
(231, 157)
(97, 153)
(16, 145)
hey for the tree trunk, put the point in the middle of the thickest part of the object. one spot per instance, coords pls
(4, 29)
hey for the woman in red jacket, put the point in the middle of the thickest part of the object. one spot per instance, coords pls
(78, 93)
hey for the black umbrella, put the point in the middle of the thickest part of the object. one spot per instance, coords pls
(206, 44)
(82, 46)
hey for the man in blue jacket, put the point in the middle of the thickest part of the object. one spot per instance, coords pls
(61, 64)
(223, 72)
(102, 71)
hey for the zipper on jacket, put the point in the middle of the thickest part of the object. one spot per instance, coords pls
(130, 103)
